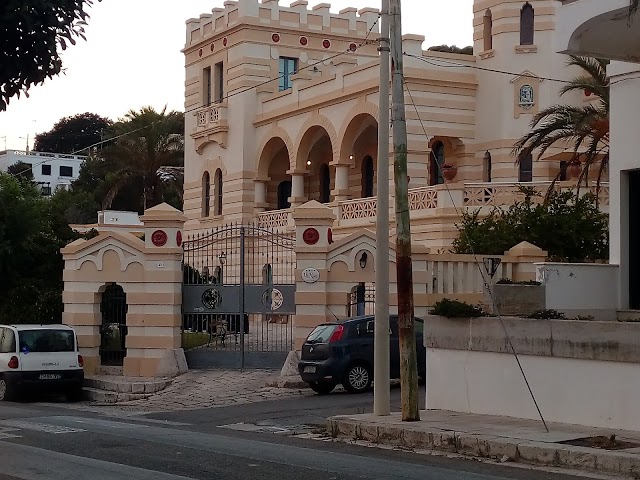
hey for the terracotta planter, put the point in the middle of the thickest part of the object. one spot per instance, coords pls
(574, 170)
(449, 173)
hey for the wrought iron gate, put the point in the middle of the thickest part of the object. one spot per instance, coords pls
(239, 290)
(113, 331)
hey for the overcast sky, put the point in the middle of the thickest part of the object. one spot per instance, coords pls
(132, 58)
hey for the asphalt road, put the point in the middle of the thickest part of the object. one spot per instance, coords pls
(255, 441)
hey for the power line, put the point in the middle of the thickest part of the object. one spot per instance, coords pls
(485, 281)
(364, 42)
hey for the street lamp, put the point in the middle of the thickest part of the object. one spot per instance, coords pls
(363, 260)
(222, 258)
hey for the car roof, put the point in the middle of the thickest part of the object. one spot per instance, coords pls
(38, 327)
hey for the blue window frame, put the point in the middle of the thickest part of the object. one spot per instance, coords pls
(288, 66)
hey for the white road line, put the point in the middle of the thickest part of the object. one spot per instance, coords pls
(40, 427)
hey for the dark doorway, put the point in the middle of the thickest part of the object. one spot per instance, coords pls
(284, 192)
(325, 184)
(634, 240)
(113, 331)
(436, 163)
(367, 177)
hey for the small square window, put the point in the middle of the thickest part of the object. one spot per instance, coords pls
(66, 171)
(46, 169)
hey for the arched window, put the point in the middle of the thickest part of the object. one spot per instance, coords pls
(436, 163)
(527, 20)
(367, 177)
(206, 195)
(486, 167)
(525, 168)
(217, 203)
(325, 184)
(488, 30)
(284, 192)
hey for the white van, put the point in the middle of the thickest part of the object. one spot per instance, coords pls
(40, 357)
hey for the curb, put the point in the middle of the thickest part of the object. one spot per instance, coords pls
(502, 449)
(294, 383)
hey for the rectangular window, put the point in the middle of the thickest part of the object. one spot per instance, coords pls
(206, 86)
(46, 169)
(563, 170)
(45, 341)
(66, 171)
(219, 82)
(288, 67)
(525, 173)
(7, 341)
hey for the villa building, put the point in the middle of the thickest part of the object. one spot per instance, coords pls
(282, 108)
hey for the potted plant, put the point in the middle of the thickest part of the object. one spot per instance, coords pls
(449, 171)
(517, 298)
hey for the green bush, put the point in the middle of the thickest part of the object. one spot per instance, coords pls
(571, 229)
(507, 281)
(455, 309)
(548, 315)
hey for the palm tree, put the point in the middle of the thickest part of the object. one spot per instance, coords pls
(148, 150)
(585, 128)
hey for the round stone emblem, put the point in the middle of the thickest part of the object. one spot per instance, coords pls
(211, 298)
(179, 238)
(272, 298)
(310, 275)
(159, 238)
(311, 236)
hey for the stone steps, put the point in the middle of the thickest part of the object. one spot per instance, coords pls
(113, 389)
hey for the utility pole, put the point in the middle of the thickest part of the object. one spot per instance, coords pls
(381, 374)
(408, 359)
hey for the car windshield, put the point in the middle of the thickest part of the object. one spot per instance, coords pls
(321, 334)
(46, 340)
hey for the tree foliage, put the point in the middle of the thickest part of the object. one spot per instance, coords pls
(32, 232)
(569, 227)
(73, 134)
(32, 33)
(452, 49)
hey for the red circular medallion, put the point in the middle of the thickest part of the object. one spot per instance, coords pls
(179, 238)
(326, 43)
(304, 41)
(311, 236)
(353, 47)
(200, 52)
(213, 46)
(275, 37)
(330, 236)
(224, 41)
(159, 238)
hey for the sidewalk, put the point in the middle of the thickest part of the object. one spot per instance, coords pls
(502, 438)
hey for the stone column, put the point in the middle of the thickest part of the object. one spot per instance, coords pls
(260, 196)
(341, 191)
(297, 190)
(313, 222)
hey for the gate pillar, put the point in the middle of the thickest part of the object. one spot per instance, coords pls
(313, 222)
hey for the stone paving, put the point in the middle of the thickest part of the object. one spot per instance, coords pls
(198, 389)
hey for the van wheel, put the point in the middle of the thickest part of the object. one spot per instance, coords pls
(6, 392)
(358, 378)
(322, 388)
(74, 394)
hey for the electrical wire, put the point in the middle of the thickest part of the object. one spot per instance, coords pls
(486, 282)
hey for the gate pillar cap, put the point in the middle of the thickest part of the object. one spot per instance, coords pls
(163, 213)
(313, 213)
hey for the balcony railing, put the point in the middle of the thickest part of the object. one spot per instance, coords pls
(275, 219)
(211, 116)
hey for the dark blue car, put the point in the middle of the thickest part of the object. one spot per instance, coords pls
(342, 352)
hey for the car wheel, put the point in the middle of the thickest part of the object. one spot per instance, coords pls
(74, 394)
(358, 378)
(322, 388)
(6, 392)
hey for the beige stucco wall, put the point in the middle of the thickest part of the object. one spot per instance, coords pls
(151, 277)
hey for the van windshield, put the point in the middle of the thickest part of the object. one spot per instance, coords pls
(44, 341)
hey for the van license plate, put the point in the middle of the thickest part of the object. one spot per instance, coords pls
(309, 369)
(50, 376)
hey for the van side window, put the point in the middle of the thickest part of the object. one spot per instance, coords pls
(7, 341)
(365, 329)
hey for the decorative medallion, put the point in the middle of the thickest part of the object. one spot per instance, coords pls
(213, 46)
(224, 42)
(304, 41)
(330, 236)
(159, 238)
(272, 298)
(311, 236)
(353, 47)
(526, 97)
(310, 275)
(179, 238)
(326, 43)
(211, 298)
(275, 37)
(200, 52)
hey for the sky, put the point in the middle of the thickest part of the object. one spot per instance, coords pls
(132, 59)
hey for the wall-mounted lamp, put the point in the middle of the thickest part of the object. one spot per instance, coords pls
(491, 265)
(350, 157)
(363, 260)
(222, 258)
(308, 163)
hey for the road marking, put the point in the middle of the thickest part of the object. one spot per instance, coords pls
(40, 427)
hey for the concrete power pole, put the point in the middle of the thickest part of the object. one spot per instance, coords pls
(408, 360)
(381, 374)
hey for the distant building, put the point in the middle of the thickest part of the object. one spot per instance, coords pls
(51, 171)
